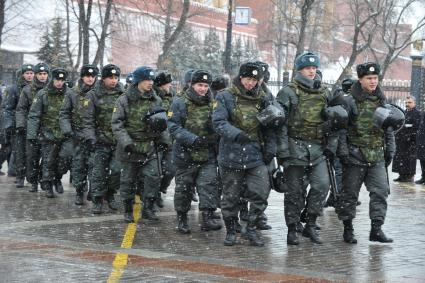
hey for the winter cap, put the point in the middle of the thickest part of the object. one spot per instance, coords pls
(110, 70)
(163, 78)
(129, 78)
(368, 68)
(59, 74)
(219, 83)
(265, 69)
(305, 60)
(26, 68)
(251, 70)
(89, 70)
(201, 76)
(143, 73)
(41, 67)
(188, 76)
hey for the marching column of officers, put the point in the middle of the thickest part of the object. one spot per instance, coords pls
(224, 143)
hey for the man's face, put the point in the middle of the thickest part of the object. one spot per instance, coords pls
(42, 76)
(248, 82)
(58, 83)
(166, 87)
(201, 88)
(110, 82)
(28, 76)
(369, 82)
(309, 72)
(145, 85)
(89, 80)
(410, 104)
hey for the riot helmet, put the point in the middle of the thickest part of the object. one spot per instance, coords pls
(389, 116)
(272, 115)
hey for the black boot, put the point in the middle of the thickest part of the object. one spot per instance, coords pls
(208, 223)
(230, 232)
(292, 238)
(299, 227)
(349, 232)
(128, 211)
(420, 181)
(58, 186)
(310, 230)
(183, 226)
(160, 201)
(97, 205)
(34, 188)
(20, 182)
(112, 204)
(262, 223)
(252, 236)
(148, 210)
(376, 233)
(47, 186)
(79, 197)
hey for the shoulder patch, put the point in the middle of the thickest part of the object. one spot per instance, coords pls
(114, 110)
(215, 103)
(85, 102)
(169, 114)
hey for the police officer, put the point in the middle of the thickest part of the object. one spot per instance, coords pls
(138, 122)
(32, 149)
(163, 88)
(245, 147)
(43, 118)
(98, 107)
(304, 143)
(71, 124)
(367, 152)
(17, 139)
(194, 151)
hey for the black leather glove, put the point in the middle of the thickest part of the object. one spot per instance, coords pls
(68, 135)
(242, 138)
(343, 159)
(388, 159)
(280, 161)
(326, 127)
(20, 130)
(130, 148)
(329, 154)
(91, 144)
(268, 157)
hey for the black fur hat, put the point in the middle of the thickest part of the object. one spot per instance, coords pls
(163, 78)
(59, 74)
(251, 70)
(89, 70)
(110, 70)
(368, 68)
(201, 76)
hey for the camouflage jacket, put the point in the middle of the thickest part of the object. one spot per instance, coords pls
(130, 126)
(97, 113)
(71, 112)
(364, 143)
(44, 113)
(235, 111)
(302, 140)
(28, 93)
(189, 118)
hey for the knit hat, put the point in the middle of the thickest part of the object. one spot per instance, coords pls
(201, 76)
(163, 78)
(368, 68)
(89, 70)
(59, 74)
(110, 70)
(26, 68)
(305, 60)
(251, 70)
(143, 73)
(41, 67)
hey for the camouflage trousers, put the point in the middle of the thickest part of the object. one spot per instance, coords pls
(375, 180)
(297, 179)
(146, 174)
(56, 159)
(105, 176)
(252, 184)
(81, 165)
(204, 178)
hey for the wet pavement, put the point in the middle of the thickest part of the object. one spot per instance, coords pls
(53, 240)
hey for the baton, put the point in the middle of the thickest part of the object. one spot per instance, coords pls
(332, 178)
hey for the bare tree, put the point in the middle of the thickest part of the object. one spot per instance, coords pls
(394, 34)
(10, 12)
(363, 14)
(105, 22)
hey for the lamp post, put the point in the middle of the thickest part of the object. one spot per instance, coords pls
(228, 50)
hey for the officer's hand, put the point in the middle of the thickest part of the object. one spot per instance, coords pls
(91, 144)
(32, 141)
(326, 127)
(130, 148)
(200, 142)
(68, 135)
(20, 130)
(343, 159)
(388, 159)
(329, 154)
(242, 138)
(268, 157)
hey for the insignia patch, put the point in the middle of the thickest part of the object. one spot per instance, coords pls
(215, 103)
(115, 110)
(169, 114)
(311, 59)
(371, 69)
(254, 72)
(113, 71)
(90, 70)
(34, 100)
(205, 77)
(151, 73)
(60, 75)
(86, 103)
(41, 68)
(29, 67)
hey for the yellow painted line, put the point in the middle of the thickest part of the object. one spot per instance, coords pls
(121, 259)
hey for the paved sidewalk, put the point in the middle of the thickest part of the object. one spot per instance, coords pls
(52, 240)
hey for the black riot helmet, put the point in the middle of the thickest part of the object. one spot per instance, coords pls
(338, 116)
(157, 119)
(389, 116)
(346, 85)
(272, 115)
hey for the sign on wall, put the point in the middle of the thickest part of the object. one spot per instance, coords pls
(242, 15)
